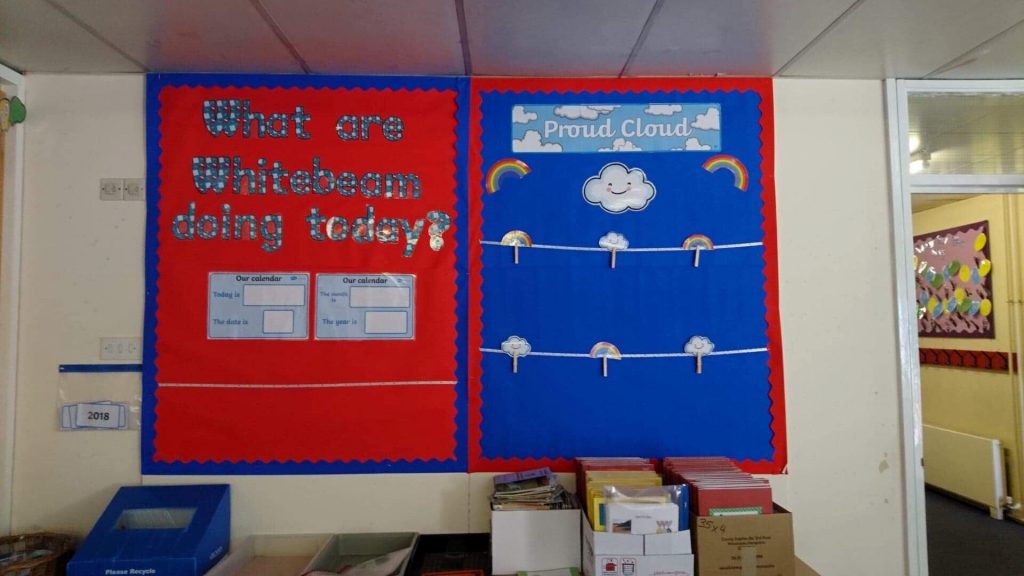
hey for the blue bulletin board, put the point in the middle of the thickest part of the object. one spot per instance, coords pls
(624, 301)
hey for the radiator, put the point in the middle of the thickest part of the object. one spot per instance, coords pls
(966, 465)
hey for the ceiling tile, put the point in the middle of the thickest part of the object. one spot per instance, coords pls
(188, 35)
(735, 37)
(1002, 58)
(372, 37)
(904, 39)
(36, 37)
(553, 37)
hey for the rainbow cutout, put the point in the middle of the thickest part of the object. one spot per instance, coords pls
(698, 242)
(732, 164)
(605, 350)
(516, 238)
(501, 168)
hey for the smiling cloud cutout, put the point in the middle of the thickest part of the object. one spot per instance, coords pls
(618, 188)
(515, 346)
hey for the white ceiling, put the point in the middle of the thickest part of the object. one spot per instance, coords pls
(807, 38)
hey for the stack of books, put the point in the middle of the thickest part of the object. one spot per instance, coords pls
(531, 490)
(719, 488)
(594, 474)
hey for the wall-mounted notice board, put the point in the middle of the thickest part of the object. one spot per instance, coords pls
(305, 242)
(438, 274)
(953, 269)
(623, 236)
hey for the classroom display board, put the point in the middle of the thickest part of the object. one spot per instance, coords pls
(623, 300)
(437, 274)
(953, 270)
(303, 276)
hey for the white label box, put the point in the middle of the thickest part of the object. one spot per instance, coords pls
(382, 297)
(278, 321)
(387, 322)
(269, 295)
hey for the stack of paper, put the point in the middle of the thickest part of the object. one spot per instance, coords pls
(531, 490)
(594, 474)
(719, 488)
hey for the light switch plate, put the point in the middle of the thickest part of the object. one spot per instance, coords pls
(111, 189)
(120, 349)
(134, 189)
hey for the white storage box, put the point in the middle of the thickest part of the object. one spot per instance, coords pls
(609, 554)
(534, 540)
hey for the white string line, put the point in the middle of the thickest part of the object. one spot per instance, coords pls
(330, 385)
(593, 249)
(659, 355)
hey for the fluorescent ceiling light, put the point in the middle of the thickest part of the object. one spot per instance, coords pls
(915, 143)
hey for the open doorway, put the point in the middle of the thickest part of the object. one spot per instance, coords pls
(957, 151)
(967, 271)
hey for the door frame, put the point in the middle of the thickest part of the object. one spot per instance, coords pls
(903, 186)
(13, 84)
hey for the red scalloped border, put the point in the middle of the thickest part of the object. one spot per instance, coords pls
(762, 86)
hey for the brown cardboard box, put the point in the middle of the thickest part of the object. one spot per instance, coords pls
(754, 545)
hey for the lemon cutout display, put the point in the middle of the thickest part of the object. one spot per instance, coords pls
(959, 294)
(965, 273)
(986, 307)
(984, 267)
(980, 241)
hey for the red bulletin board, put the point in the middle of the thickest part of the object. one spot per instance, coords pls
(259, 358)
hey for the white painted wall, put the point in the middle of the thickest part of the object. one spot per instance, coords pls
(839, 325)
(84, 279)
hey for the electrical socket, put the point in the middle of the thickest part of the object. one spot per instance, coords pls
(120, 348)
(111, 189)
(134, 189)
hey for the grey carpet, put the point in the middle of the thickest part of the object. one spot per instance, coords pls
(965, 541)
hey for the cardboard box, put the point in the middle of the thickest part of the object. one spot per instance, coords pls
(534, 540)
(158, 531)
(343, 550)
(610, 554)
(758, 545)
(270, 555)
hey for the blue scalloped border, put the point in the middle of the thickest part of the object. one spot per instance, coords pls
(154, 84)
